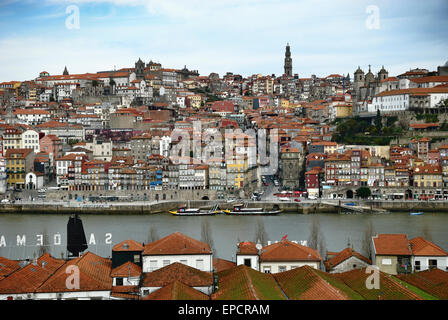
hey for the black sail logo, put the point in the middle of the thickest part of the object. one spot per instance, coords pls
(76, 238)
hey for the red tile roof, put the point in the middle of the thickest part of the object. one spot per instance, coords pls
(289, 251)
(128, 245)
(306, 283)
(126, 270)
(247, 248)
(392, 244)
(344, 255)
(176, 244)
(7, 267)
(177, 271)
(389, 288)
(245, 283)
(434, 281)
(94, 274)
(423, 247)
(176, 290)
(221, 264)
(29, 278)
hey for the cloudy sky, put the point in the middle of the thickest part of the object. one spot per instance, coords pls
(240, 36)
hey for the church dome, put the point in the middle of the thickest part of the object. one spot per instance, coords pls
(359, 70)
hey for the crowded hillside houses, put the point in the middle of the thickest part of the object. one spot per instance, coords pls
(136, 129)
(178, 267)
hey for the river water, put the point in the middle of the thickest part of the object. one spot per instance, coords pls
(226, 231)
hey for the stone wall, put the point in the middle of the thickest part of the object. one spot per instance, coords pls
(135, 195)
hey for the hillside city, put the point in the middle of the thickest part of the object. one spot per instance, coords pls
(153, 134)
(92, 135)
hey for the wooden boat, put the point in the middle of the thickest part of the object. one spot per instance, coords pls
(184, 211)
(240, 209)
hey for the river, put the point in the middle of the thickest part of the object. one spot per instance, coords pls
(225, 230)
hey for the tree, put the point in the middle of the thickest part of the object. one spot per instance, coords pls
(316, 239)
(426, 232)
(153, 234)
(378, 121)
(363, 192)
(260, 233)
(206, 234)
(369, 232)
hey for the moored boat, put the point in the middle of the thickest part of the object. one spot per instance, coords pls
(240, 209)
(184, 211)
(416, 213)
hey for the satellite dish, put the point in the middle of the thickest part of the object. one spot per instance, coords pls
(258, 246)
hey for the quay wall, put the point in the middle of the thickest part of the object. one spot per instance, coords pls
(164, 206)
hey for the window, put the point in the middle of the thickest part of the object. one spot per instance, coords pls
(136, 258)
(185, 262)
(152, 265)
(281, 268)
(248, 262)
(387, 262)
(267, 269)
(119, 281)
(417, 265)
(166, 263)
(432, 263)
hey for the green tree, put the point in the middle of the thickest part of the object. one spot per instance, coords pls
(363, 192)
(378, 121)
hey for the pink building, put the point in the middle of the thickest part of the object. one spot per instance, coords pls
(52, 145)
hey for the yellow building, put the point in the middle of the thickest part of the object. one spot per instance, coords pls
(195, 101)
(428, 176)
(343, 111)
(18, 163)
(285, 103)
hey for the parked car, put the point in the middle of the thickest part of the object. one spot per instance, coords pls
(297, 200)
(5, 200)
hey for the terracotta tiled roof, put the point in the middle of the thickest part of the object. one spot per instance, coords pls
(128, 245)
(247, 248)
(177, 271)
(176, 290)
(94, 274)
(245, 283)
(307, 283)
(289, 251)
(125, 289)
(392, 244)
(434, 281)
(344, 255)
(389, 288)
(221, 264)
(177, 244)
(7, 267)
(126, 296)
(29, 278)
(127, 269)
(423, 247)
(23, 152)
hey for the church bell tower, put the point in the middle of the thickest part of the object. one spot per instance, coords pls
(288, 62)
